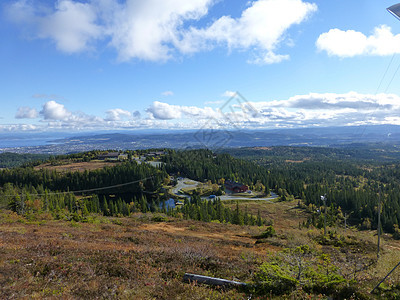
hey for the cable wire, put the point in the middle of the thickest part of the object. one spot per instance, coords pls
(87, 190)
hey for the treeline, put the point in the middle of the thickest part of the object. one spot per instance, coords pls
(150, 179)
(67, 206)
(12, 160)
(360, 153)
(214, 210)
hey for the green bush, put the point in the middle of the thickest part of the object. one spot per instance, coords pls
(271, 278)
(390, 292)
(159, 218)
(326, 284)
(269, 232)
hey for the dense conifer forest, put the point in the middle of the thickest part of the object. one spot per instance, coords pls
(353, 179)
(11, 160)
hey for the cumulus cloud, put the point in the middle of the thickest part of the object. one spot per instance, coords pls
(156, 30)
(71, 25)
(165, 111)
(55, 116)
(328, 101)
(261, 26)
(351, 43)
(314, 109)
(26, 113)
(54, 111)
(117, 114)
(329, 109)
(147, 29)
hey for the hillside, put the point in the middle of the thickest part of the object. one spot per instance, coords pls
(140, 257)
(84, 228)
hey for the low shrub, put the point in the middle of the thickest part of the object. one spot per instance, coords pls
(269, 232)
(273, 279)
(159, 218)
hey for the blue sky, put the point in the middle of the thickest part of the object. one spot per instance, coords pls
(72, 65)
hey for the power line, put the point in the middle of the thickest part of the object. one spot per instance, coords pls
(377, 89)
(89, 190)
(384, 75)
(391, 80)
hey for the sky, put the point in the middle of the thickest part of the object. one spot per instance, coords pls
(75, 66)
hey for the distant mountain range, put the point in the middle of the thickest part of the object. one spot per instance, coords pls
(212, 139)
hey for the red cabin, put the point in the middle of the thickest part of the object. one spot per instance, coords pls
(236, 187)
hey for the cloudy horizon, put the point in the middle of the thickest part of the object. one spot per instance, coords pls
(107, 65)
(312, 110)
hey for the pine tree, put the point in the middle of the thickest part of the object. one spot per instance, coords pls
(259, 220)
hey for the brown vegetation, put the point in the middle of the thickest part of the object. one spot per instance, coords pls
(76, 166)
(120, 258)
(138, 258)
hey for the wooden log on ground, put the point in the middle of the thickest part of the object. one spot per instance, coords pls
(212, 281)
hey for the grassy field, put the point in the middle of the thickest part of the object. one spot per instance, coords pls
(139, 257)
(285, 215)
(77, 166)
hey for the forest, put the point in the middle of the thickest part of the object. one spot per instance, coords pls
(353, 180)
(117, 190)
(11, 160)
(353, 185)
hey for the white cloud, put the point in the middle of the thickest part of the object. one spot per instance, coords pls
(54, 111)
(117, 114)
(148, 29)
(314, 109)
(261, 27)
(165, 111)
(328, 109)
(71, 25)
(157, 30)
(328, 101)
(351, 43)
(18, 127)
(26, 113)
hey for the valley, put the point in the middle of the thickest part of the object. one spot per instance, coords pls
(106, 221)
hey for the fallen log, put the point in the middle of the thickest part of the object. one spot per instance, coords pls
(212, 281)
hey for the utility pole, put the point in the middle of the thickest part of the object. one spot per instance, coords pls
(323, 198)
